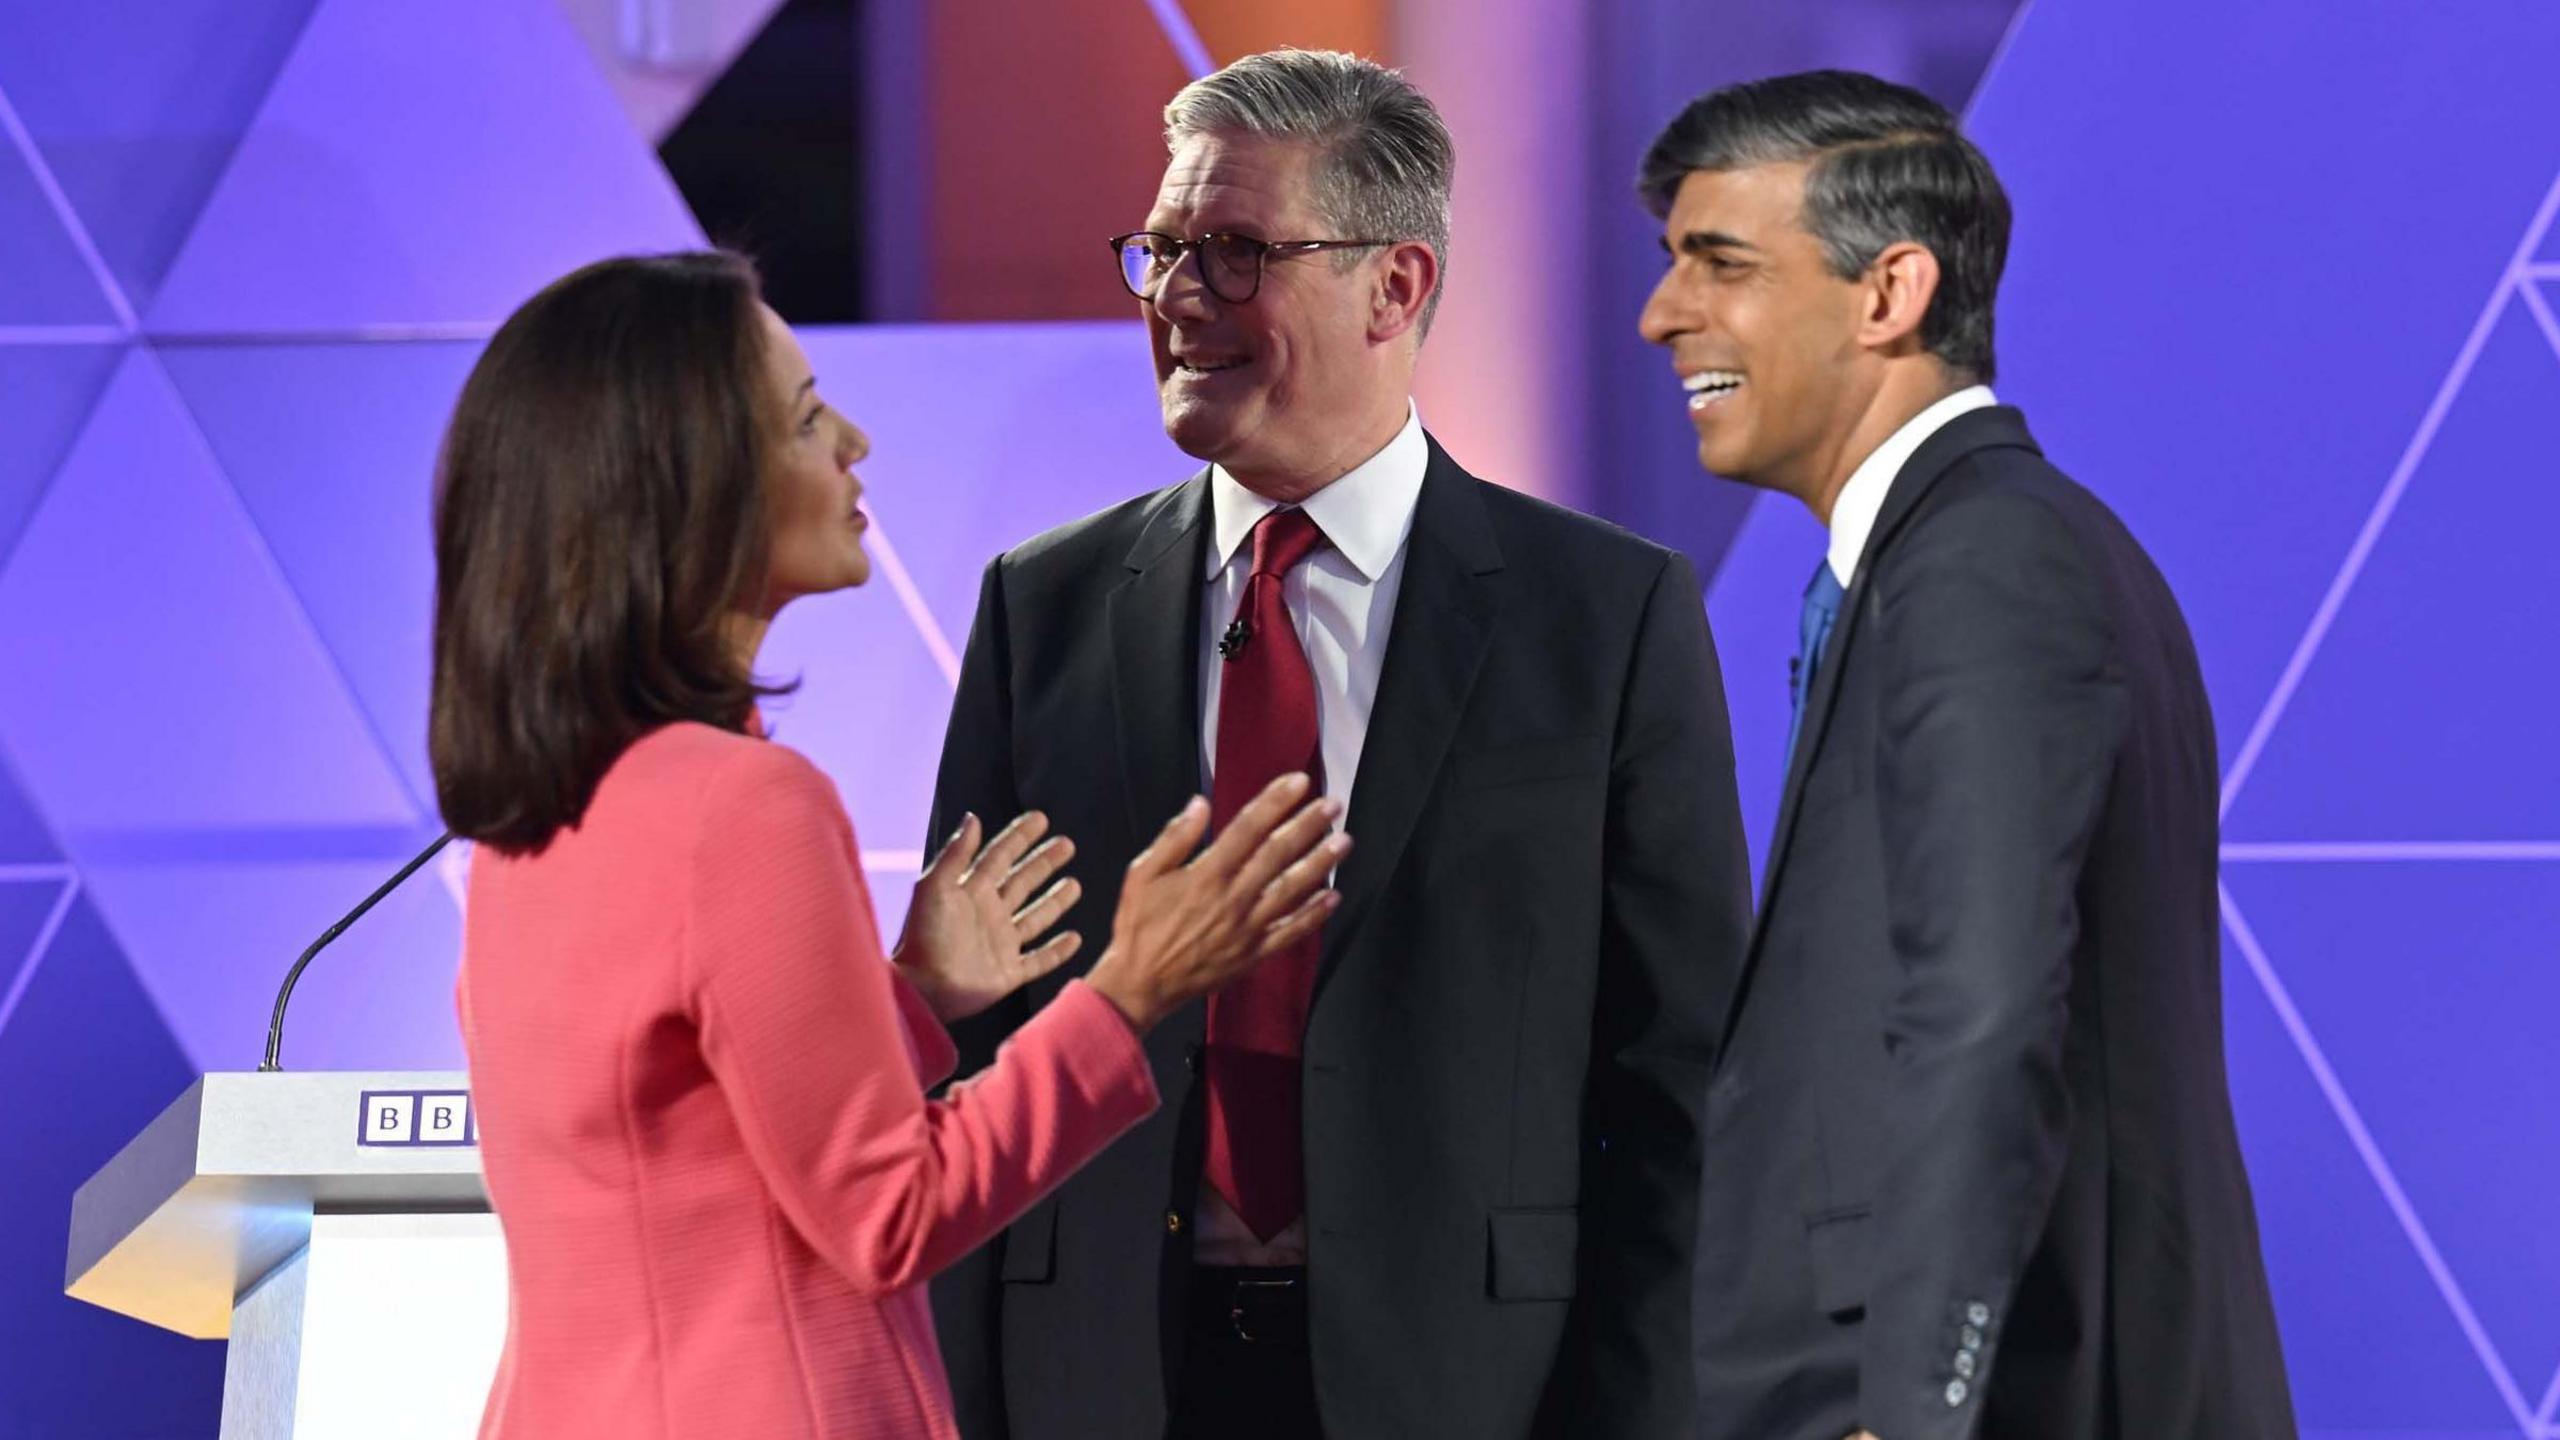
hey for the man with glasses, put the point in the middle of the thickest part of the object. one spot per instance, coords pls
(1437, 1174)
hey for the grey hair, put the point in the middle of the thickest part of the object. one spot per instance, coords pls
(1384, 158)
(1887, 165)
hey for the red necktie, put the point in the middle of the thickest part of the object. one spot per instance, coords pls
(1266, 729)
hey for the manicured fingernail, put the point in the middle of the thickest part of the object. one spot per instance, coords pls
(1194, 807)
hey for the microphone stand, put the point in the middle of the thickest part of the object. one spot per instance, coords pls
(275, 1023)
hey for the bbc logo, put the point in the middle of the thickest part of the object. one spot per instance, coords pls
(415, 1117)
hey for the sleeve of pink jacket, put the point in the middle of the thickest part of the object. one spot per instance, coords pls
(802, 1023)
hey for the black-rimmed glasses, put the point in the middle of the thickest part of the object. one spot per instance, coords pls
(1230, 265)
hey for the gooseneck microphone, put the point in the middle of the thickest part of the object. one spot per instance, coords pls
(275, 1023)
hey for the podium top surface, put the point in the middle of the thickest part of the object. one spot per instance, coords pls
(220, 1189)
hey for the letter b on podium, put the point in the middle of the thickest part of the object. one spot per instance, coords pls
(390, 1120)
(444, 1119)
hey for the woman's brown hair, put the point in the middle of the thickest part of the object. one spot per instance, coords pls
(599, 520)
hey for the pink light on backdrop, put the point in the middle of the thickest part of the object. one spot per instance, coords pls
(1503, 375)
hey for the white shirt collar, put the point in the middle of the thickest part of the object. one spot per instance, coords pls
(1365, 515)
(1853, 515)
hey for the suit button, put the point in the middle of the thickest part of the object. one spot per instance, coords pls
(1977, 1313)
(1970, 1338)
(1956, 1391)
(1965, 1363)
(1172, 1222)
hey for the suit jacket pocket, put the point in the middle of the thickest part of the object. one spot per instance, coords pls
(1031, 1246)
(1532, 1253)
(1837, 1243)
(1573, 757)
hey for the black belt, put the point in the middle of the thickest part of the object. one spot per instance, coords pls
(1258, 1304)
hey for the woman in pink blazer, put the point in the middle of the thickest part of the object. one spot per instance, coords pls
(701, 1086)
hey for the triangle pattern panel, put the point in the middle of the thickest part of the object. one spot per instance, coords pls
(162, 677)
(24, 837)
(420, 165)
(660, 59)
(332, 448)
(2425, 714)
(86, 1063)
(212, 940)
(51, 389)
(2221, 396)
(25, 906)
(2431, 988)
(49, 284)
(136, 109)
(2342, 1271)
(983, 436)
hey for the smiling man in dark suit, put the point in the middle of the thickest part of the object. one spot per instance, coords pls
(1436, 1176)
(1971, 1166)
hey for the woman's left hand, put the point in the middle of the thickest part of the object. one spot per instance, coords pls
(967, 941)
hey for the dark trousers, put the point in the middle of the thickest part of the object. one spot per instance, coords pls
(1246, 1374)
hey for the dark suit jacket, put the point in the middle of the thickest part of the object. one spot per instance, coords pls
(1506, 1064)
(1976, 1056)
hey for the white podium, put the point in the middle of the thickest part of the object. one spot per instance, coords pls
(333, 1226)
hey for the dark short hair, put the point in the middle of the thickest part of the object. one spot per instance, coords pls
(599, 517)
(1887, 164)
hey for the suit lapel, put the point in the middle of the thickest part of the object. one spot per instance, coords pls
(1996, 427)
(1443, 623)
(1155, 627)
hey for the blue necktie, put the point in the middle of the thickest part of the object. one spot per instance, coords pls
(1821, 607)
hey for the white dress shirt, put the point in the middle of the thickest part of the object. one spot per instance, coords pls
(1342, 601)
(1853, 515)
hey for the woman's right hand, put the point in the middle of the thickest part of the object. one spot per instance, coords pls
(1184, 930)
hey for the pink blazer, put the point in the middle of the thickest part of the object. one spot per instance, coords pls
(700, 1091)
